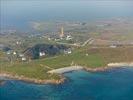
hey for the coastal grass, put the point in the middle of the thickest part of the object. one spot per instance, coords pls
(39, 68)
(30, 69)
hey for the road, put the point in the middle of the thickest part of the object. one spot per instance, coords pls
(90, 41)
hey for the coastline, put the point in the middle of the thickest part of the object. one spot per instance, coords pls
(110, 66)
(62, 80)
(32, 80)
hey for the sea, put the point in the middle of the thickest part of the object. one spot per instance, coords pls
(114, 84)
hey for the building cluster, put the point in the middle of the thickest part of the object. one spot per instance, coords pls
(63, 36)
(16, 54)
(60, 36)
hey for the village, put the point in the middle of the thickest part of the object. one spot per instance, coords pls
(60, 38)
(17, 55)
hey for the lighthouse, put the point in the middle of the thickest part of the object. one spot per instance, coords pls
(62, 32)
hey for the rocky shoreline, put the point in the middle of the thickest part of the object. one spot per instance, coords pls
(62, 80)
(33, 80)
(109, 66)
(2, 82)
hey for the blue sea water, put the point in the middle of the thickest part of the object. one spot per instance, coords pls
(19, 13)
(115, 84)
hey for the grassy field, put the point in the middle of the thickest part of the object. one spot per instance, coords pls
(88, 57)
(2, 56)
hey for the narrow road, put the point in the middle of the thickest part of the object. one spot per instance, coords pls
(90, 40)
(68, 44)
(46, 67)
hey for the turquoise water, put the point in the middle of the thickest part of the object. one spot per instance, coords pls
(19, 13)
(115, 84)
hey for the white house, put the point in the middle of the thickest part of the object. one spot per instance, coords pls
(69, 37)
(41, 54)
(18, 43)
(49, 39)
(68, 51)
(23, 59)
(112, 46)
(14, 53)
